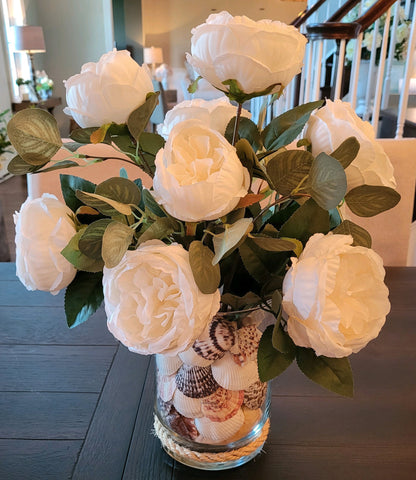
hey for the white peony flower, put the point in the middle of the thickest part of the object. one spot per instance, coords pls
(43, 229)
(368, 40)
(216, 114)
(198, 174)
(107, 91)
(334, 296)
(258, 55)
(334, 123)
(152, 302)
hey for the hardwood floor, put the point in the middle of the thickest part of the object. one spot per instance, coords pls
(13, 193)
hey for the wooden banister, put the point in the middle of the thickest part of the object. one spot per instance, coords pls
(373, 13)
(343, 10)
(303, 16)
(333, 30)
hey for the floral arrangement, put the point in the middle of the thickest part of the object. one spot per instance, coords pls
(401, 35)
(239, 219)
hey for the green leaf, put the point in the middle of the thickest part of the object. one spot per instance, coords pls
(370, 200)
(91, 240)
(347, 151)
(274, 244)
(248, 300)
(82, 135)
(282, 341)
(83, 297)
(207, 276)
(234, 91)
(334, 374)
(69, 185)
(271, 362)
(246, 155)
(193, 87)
(59, 166)
(161, 228)
(247, 130)
(307, 220)
(35, 135)
(327, 182)
(285, 128)
(116, 240)
(17, 166)
(151, 142)
(72, 146)
(287, 169)
(359, 234)
(80, 261)
(277, 305)
(119, 189)
(140, 117)
(125, 144)
(123, 173)
(233, 234)
(151, 204)
(105, 205)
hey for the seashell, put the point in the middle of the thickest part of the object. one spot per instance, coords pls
(222, 404)
(164, 408)
(166, 364)
(182, 425)
(255, 394)
(195, 382)
(166, 386)
(231, 376)
(217, 338)
(251, 418)
(248, 339)
(187, 406)
(219, 432)
(190, 357)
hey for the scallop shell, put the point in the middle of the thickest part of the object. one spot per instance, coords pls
(187, 406)
(166, 386)
(217, 338)
(219, 432)
(255, 394)
(251, 418)
(231, 376)
(247, 342)
(222, 404)
(166, 364)
(190, 357)
(195, 382)
(182, 425)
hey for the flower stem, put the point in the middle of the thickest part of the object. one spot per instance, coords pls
(112, 158)
(237, 122)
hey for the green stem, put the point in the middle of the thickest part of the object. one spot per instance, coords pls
(237, 123)
(109, 158)
(278, 201)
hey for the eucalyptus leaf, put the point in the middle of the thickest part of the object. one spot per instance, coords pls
(119, 189)
(151, 204)
(103, 204)
(287, 169)
(83, 297)
(277, 303)
(18, 166)
(370, 200)
(274, 244)
(82, 135)
(283, 129)
(334, 374)
(115, 242)
(359, 234)
(125, 144)
(58, 166)
(140, 117)
(207, 276)
(347, 151)
(80, 261)
(282, 341)
(35, 135)
(327, 182)
(247, 130)
(151, 142)
(271, 362)
(91, 240)
(69, 185)
(72, 146)
(161, 228)
(232, 235)
(123, 173)
(246, 155)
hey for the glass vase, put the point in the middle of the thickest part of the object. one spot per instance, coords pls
(211, 409)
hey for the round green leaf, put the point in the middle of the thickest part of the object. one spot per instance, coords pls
(370, 200)
(116, 240)
(359, 234)
(347, 151)
(91, 240)
(232, 235)
(17, 166)
(119, 189)
(140, 117)
(207, 276)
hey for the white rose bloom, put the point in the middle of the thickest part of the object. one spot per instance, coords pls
(198, 174)
(43, 229)
(216, 114)
(256, 54)
(107, 91)
(334, 123)
(334, 296)
(152, 302)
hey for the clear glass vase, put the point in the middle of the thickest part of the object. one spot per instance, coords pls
(211, 409)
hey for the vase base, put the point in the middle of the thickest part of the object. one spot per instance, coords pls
(208, 460)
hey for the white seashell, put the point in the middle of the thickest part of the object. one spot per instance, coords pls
(195, 382)
(217, 338)
(166, 364)
(231, 376)
(222, 404)
(187, 406)
(255, 394)
(190, 357)
(251, 418)
(166, 386)
(247, 341)
(216, 432)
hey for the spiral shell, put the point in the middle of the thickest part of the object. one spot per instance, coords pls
(195, 382)
(231, 376)
(218, 432)
(254, 395)
(166, 386)
(222, 404)
(247, 344)
(190, 357)
(187, 406)
(217, 338)
(167, 365)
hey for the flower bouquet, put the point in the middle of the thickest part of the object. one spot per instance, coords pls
(237, 261)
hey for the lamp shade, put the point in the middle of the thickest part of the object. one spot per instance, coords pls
(28, 38)
(153, 55)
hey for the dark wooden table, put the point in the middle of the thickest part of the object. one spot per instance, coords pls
(49, 104)
(76, 404)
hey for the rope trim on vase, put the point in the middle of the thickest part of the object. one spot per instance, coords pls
(167, 441)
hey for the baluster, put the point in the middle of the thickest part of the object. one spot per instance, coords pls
(318, 62)
(392, 46)
(340, 69)
(367, 110)
(355, 69)
(308, 73)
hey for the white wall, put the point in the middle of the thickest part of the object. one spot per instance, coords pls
(4, 81)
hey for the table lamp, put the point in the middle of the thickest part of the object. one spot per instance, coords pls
(153, 55)
(29, 39)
